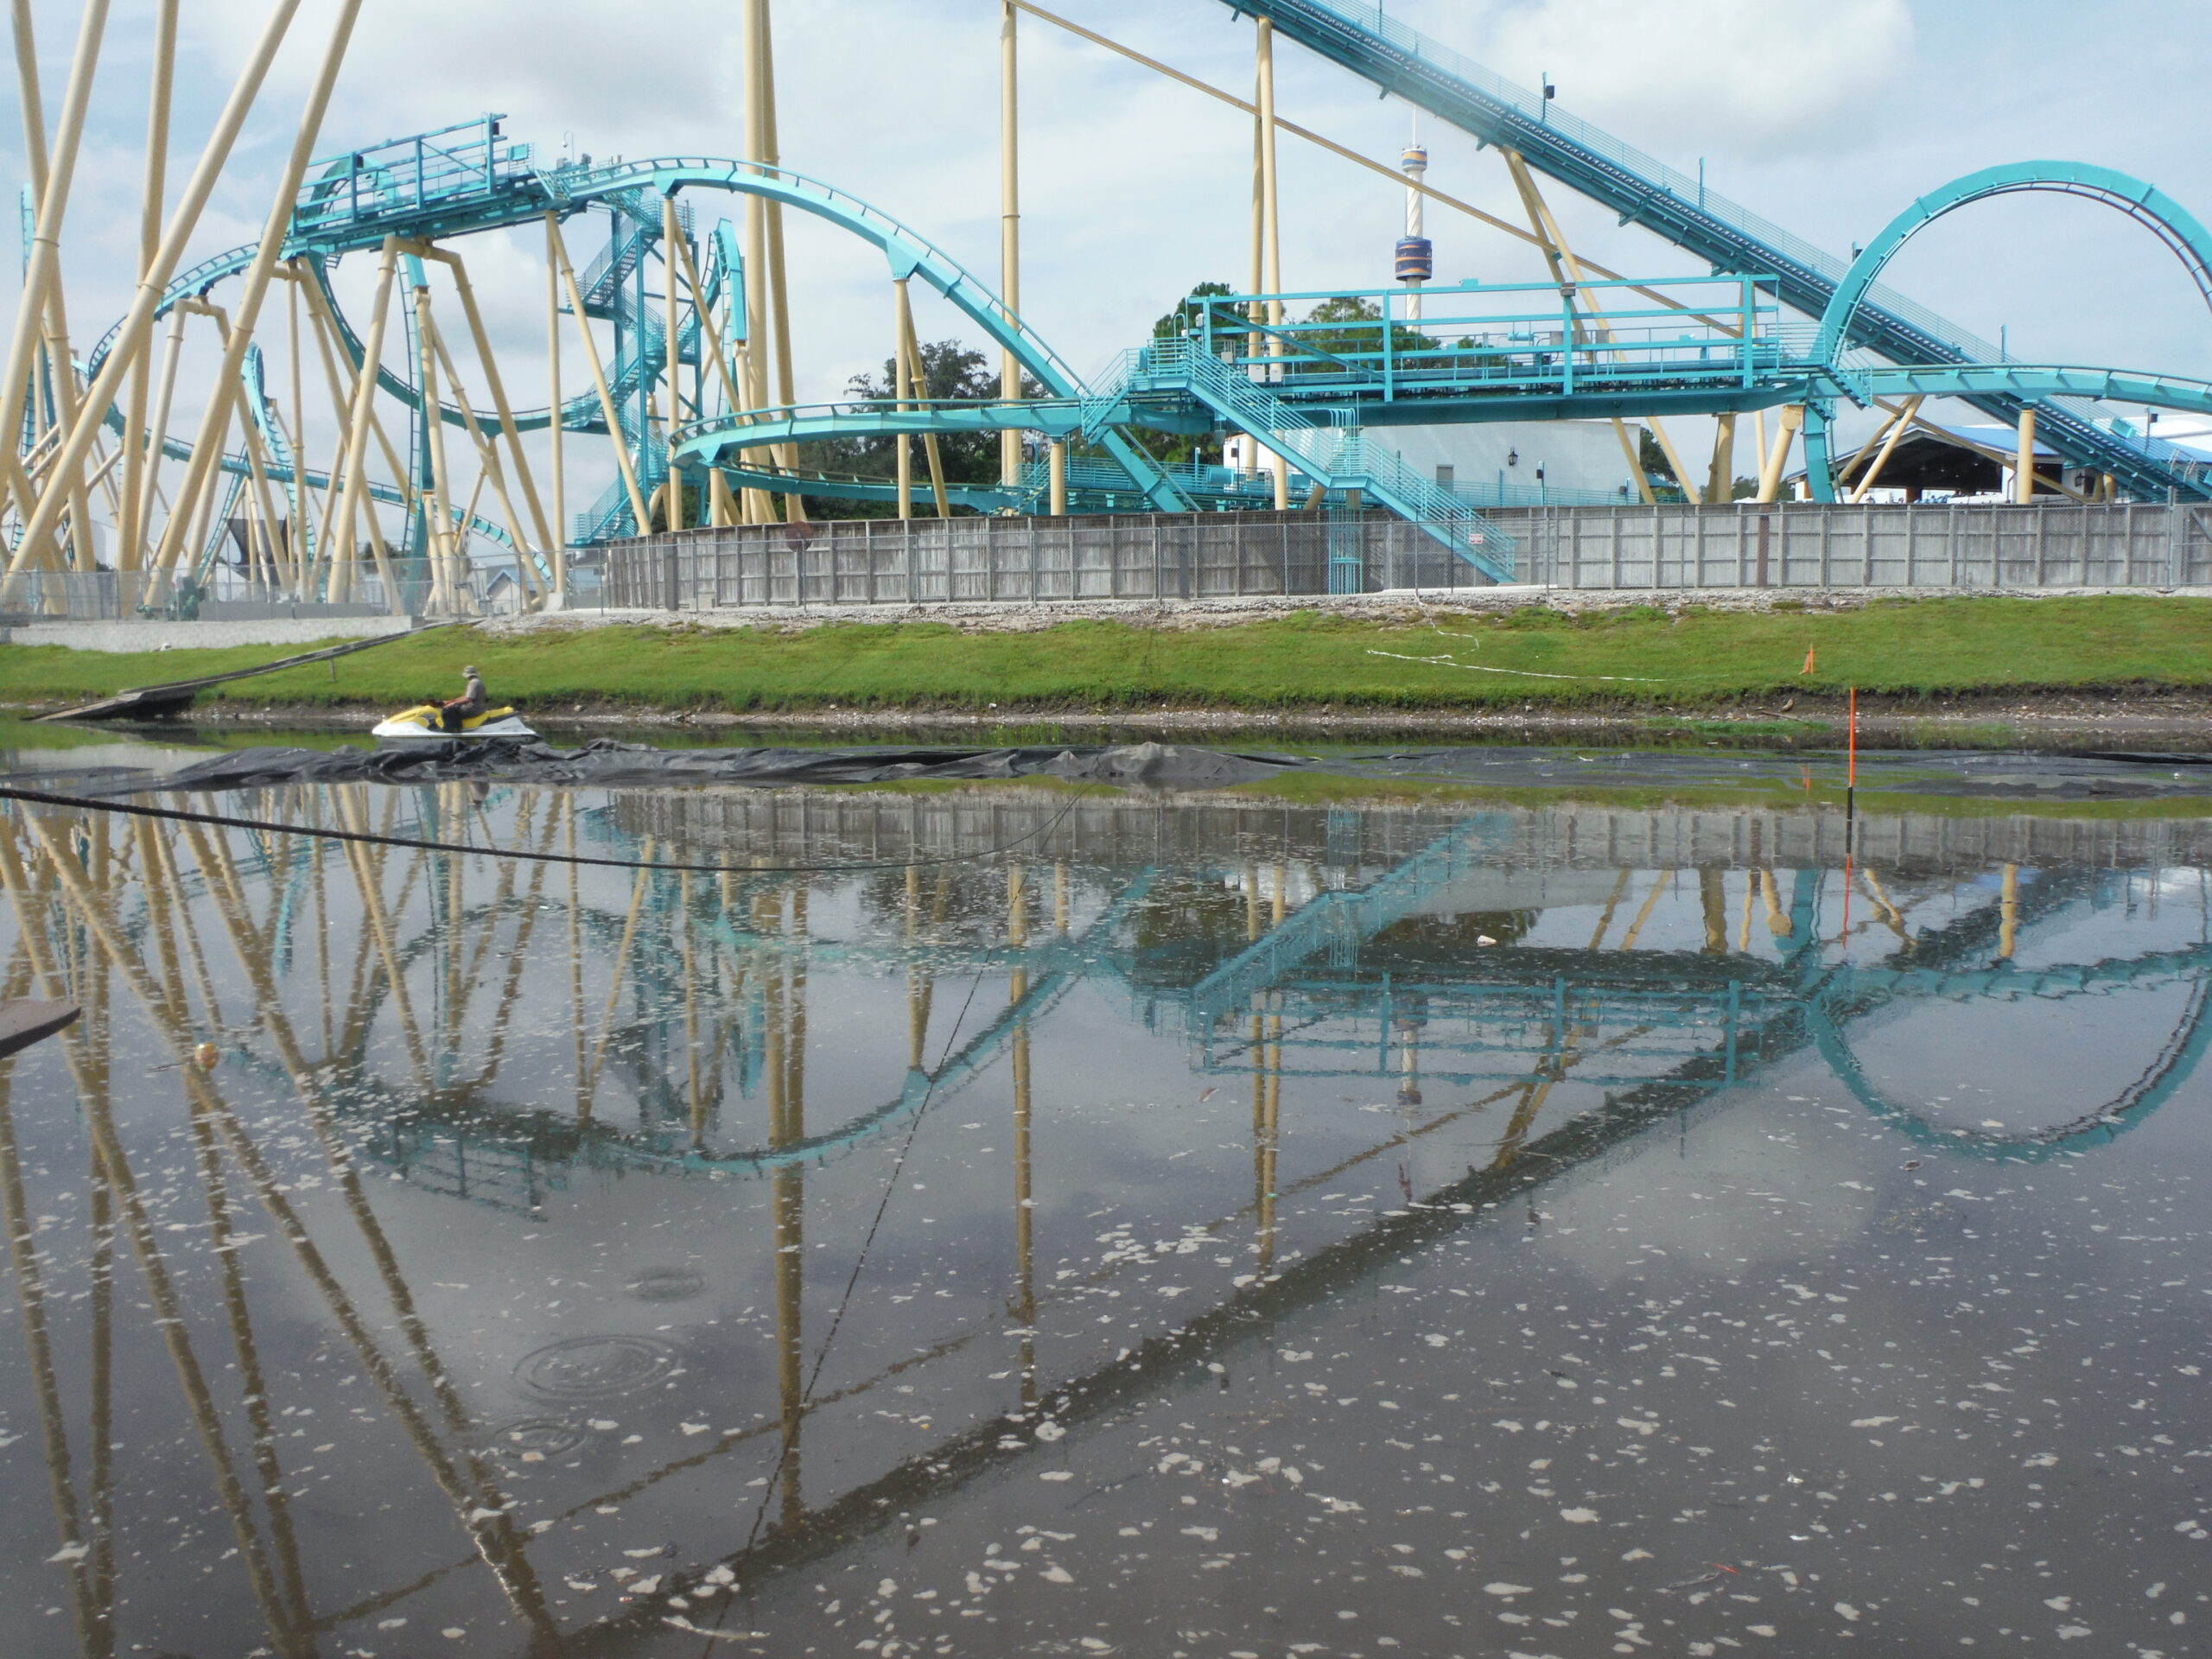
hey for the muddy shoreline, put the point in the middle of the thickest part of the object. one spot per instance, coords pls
(2179, 720)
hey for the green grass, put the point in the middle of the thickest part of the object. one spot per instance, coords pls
(1308, 661)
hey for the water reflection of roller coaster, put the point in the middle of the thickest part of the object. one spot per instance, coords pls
(1366, 972)
(1595, 973)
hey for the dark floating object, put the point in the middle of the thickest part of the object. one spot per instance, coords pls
(667, 1285)
(22, 1024)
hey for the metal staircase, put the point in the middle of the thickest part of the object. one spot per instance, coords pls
(1338, 458)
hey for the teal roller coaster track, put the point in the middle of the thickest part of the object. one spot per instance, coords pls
(1708, 343)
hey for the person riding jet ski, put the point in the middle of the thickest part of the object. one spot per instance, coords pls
(471, 703)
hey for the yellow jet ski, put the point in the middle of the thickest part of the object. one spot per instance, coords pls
(426, 722)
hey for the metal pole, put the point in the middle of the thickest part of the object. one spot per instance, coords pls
(557, 427)
(1009, 232)
(901, 385)
(297, 549)
(599, 379)
(356, 430)
(1271, 277)
(759, 504)
(669, 231)
(780, 315)
(205, 453)
(130, 527)
(40, 274)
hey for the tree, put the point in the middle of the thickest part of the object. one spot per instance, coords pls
(952, 373)
(1357, 333)
(1191, 313)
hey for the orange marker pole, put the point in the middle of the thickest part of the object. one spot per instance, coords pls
(1851, 777)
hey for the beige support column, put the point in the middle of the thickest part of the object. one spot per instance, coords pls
(1009, 230)
(778, 302)
(1690, 491)
(2008, 914)
(671, 232)
(1271, 223)
(760, 506)
(1058, 454)
(1898, 427)
(444, 572)
(555, 428)
(918, 380)
(902, 386)
(599, 378)
(1635, 459)
(206, 450)
(1720, 477)
(358, 420)
(487, 458)
(134, 537)
(1256, 311)
(1777, 455)
(2024, 463)
(465, 292)
(296, 532)
(41, 274)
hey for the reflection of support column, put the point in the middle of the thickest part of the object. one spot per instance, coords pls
(1613, 903)
(222, 1244)
(100, 1427)
(1778, 920)
(518, 953)
(917, 996)
(1409, 1061)
(160, 1290)
(1712, 897)
(1650, 903)
(1025, 1266)
(94, 1634)
(1892, 917)
(2009, 913)
(694, 1099)
(785, 1064)
(482, 1510)
(621, 968)
(1270, 1126)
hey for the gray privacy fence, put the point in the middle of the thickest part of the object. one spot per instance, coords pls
(1028, 560)
(1805, 545)
(1230, 555)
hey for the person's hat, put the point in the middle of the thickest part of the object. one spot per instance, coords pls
(469, 672)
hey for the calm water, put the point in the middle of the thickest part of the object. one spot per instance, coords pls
(1148, 1224)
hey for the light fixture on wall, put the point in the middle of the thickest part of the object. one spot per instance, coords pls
(1513, 457)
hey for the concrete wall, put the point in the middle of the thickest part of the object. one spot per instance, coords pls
(200, 636)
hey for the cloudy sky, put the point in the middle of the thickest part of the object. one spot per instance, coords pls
(1825, 115)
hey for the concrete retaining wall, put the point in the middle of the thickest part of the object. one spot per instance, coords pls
(201, 636)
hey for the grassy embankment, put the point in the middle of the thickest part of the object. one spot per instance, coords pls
(1626, 658)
